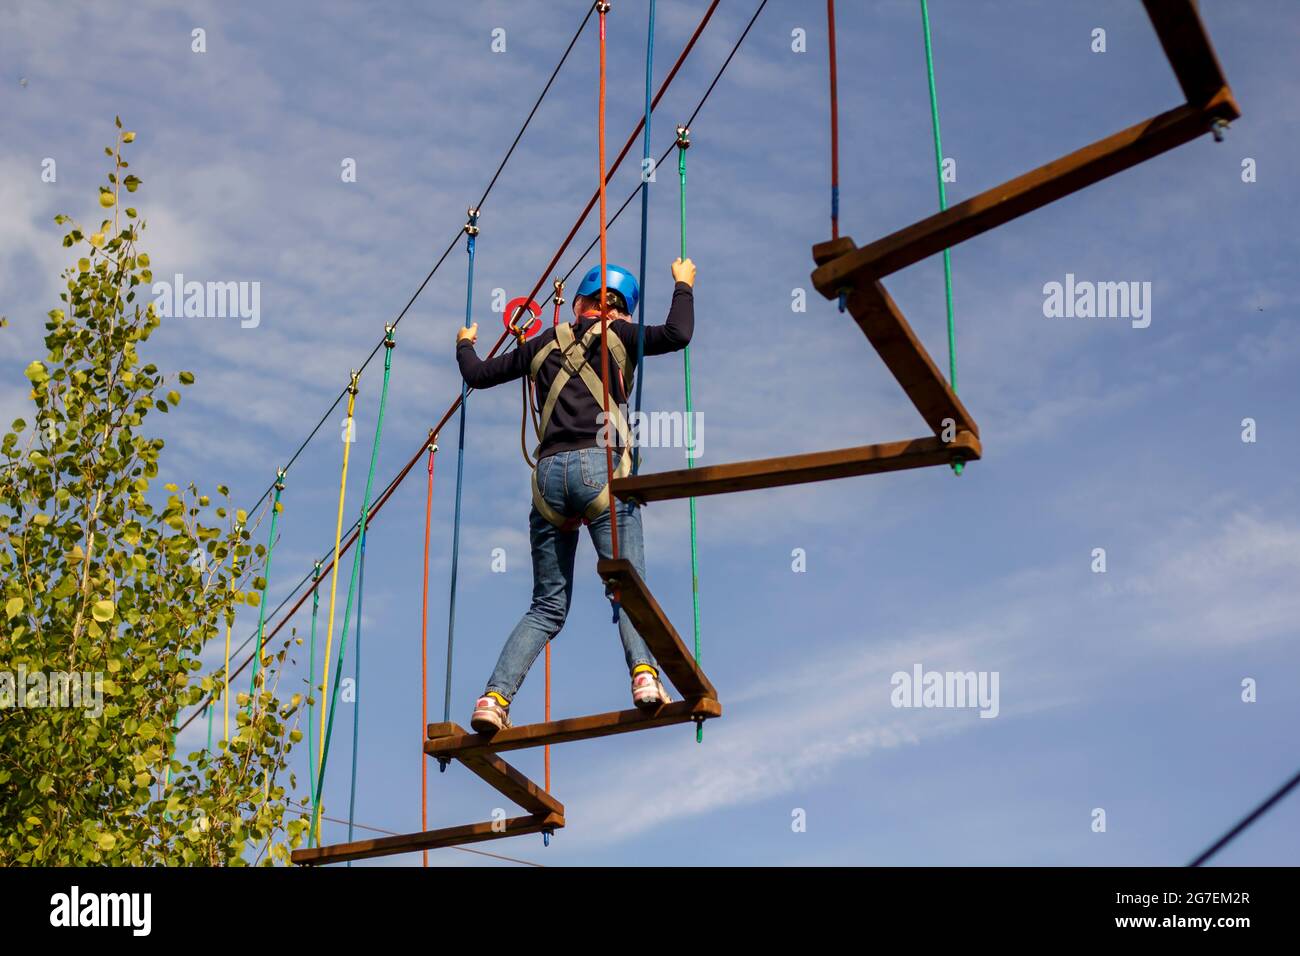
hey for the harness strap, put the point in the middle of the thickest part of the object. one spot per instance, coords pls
(567, 345)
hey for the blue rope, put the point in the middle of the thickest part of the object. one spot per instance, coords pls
(472, 229)
(645, 200)
(356, 681)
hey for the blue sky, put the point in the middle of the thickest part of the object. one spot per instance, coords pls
(1119, 691)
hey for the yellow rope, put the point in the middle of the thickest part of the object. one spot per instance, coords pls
(334, 572)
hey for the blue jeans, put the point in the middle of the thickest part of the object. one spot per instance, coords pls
(569, 481)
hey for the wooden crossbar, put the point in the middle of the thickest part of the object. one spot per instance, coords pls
(636, 601)
(428, 839)
(449, 740)
(1024, 194)
(797, 469)
(1187, 45)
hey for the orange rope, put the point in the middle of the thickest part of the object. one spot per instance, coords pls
(424, 652)
(604, 308)
(547, 751)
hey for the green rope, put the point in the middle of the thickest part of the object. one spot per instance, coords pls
(682, 143)
(943, 205)
(266, 580)
(352, 584)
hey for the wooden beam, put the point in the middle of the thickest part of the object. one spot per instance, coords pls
(797, 469)
(1187, 45)
(427, 840)
(675, 661)
(1021, 195)
(512, 784)
(889, 333)
(466, 746)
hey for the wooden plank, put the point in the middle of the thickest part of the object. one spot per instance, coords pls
(797, 469)
(889, 333)
(675, 661)
(427, 840)
(1187, 45)
(465, 746)
(1022, 195)
(512, 784)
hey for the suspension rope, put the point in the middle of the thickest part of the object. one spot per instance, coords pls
(266, 580)
(352, 584)
(424, 649)
(208, 708)
(957, 466)
(471, 234)
(835, 123)
(1247, 820)
(683, 143)
(645, 222)
(311, 669)
(356, 684)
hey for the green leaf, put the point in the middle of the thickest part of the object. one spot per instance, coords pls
(103, 611)
(13, 607)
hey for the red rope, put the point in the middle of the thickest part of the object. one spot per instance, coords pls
(547, 750)
(424, 657)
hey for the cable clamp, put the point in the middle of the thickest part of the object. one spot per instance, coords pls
(471, 226)
(683, 137)
(352, 385)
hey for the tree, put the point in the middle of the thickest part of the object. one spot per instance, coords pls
(109, 584)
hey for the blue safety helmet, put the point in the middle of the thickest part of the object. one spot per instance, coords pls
(617, 279)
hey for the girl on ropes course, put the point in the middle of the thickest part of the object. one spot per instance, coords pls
(569, 481)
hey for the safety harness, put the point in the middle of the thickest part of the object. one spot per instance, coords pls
(574, 364)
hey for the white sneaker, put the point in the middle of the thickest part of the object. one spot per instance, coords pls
(648, 691)
(489, 715)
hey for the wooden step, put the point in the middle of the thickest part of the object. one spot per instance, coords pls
(449, 740)
(675, 661)
(428, 839)
(796, 469)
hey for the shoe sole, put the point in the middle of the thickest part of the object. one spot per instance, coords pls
(485, 725)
